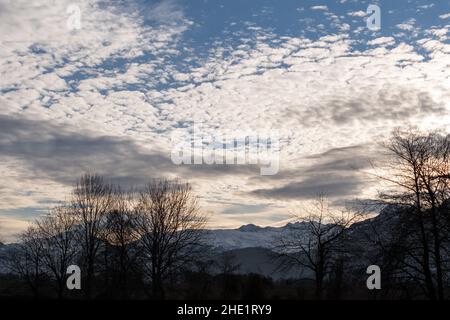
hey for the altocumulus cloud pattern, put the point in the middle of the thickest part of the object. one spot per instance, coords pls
(107, 95)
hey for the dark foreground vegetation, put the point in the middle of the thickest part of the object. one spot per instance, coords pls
(150, 242)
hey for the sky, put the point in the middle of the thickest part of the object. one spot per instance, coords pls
(101, 86)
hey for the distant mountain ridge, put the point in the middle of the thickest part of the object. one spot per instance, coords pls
(253, 246)
(251, 236)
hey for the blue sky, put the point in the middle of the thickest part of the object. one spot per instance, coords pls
(107, 96)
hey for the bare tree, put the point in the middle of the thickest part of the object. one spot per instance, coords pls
(168, 222)
(58, 243)
(120, 234)
(419, 168)
(27, 261)
(319, 248)
(92, 200)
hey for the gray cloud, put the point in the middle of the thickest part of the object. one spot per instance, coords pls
(338, 172)
(62, 154)
(245, 208)
(310, 187)
(384, 104)
(342, 160)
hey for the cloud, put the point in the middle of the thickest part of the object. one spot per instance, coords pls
(41, 154)
(340, 160)
(340, 173)
(323, 8)
(10, 227)
(44, 55)
(378, 87)
(405, 26)
(444, 16)
(309, 188)
(243, 209)
(62, 153)
(409, 25)
(166, 11)
(359, 13)
(42, 160)
(382, 41)
(343, 159)
(107, 96)
(426, 6)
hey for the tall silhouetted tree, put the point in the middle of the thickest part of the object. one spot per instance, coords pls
(419, 171)
(58, 242)
(319, 246)
(168, 221)
(27, 261)
(121, 234)
(92, 200)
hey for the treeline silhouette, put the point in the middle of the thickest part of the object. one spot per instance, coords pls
(151, 243)
(98, 229)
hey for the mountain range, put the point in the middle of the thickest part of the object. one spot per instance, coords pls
(252, 247)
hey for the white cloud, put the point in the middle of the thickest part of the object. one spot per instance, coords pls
(11, 227)
(440, 33)
(426, 6)
(382, 41)
(322, 7)
(406, 26)
(357, 13)
(319, 94)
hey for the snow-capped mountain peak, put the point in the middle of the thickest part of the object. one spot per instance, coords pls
(249, 228)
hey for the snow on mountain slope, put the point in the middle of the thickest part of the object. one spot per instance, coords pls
(250, 236)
